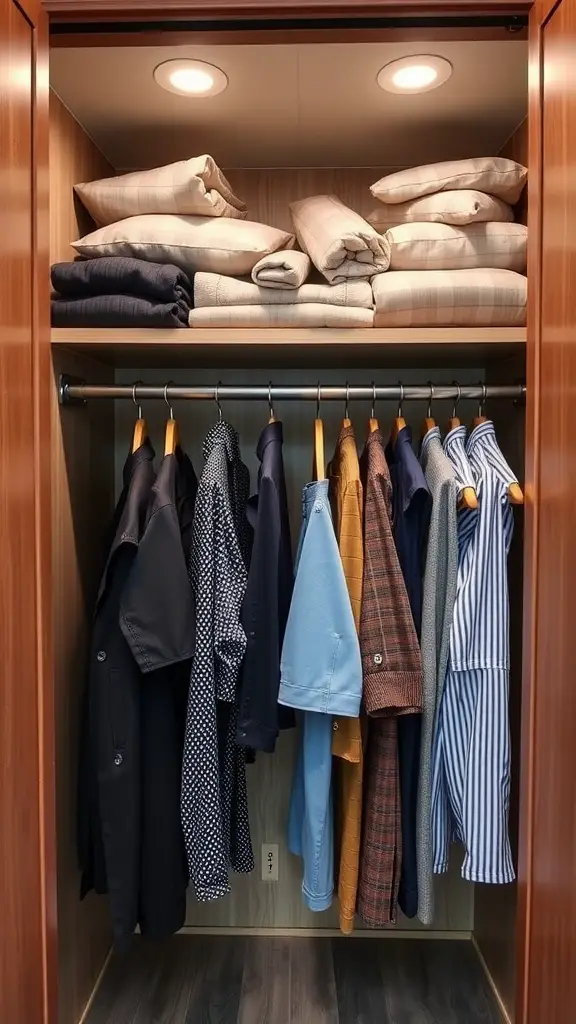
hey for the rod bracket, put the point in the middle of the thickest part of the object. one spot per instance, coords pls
(66, 380)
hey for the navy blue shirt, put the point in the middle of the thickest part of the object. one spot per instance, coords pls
(411, 508)
(267, 600)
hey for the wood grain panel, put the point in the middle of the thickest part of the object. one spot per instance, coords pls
(495, 906)
(123, 9)
(27, 982)
(268, 193)
(83, 503)
(548, 981)
(73, 158)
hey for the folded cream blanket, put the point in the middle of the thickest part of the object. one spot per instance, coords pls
(340, 243)
(450, 298)
(220, 290)
(309, 314)
(282, 270)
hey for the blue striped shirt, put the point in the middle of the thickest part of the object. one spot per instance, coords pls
(480, 630)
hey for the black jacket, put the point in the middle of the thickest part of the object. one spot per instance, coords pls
(267, 600)
(142, 637)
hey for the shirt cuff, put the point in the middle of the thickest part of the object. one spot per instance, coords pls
(393, 692)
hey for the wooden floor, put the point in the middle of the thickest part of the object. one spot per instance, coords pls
(232, 980)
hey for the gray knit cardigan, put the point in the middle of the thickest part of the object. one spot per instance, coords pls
(440, 577)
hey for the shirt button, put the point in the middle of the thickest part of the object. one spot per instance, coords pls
(377, 659)
(118, 759)
(318, 507)
(101, 656)
(335, 726)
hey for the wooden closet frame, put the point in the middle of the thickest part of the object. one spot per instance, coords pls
(29, 948)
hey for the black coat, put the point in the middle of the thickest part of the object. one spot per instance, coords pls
(143, 637)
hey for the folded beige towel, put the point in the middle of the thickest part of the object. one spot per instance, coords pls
(309, 314)
(282, 270)
(219, 290)
(340, 243)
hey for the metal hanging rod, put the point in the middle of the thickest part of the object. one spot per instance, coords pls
(73, 390)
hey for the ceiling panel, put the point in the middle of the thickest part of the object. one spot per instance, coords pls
(306, 105)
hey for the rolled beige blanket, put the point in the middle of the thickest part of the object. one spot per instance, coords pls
(340, 243)
(284, 270)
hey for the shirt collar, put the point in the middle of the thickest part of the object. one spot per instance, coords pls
(144, 453)
(222, 434)
(483, 448)
(272, 432)
(429, 436)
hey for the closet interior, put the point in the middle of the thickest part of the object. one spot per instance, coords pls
(301, 116)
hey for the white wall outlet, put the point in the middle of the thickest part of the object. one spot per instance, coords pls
(269, 862)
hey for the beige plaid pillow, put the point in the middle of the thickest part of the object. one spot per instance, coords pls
(215, 244)
(461, 206)
(493, 174)
(195, 186)
(450, 298)
(445, 247)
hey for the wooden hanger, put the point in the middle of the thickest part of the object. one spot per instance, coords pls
(429, 422)
(318, 463)
(172, 432)
(272, 418)
(140, 434)
(468, 498)
(515, 495)
(399, 423)
(346, 422)
(373, 422)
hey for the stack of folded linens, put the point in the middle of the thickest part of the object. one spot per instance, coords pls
(455, 255)
(276, 296)
(184, 215)
(114, 291)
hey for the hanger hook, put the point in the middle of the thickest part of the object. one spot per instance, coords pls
(346, 400)
(318, 401)
(482, 400)
(270, 406)
(136, 402)
(401, 399)
(217, 400)
(430, 399)
(373, 399)
(169, 404)
(457, 399)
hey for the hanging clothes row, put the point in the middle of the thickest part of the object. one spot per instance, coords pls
(382, 639)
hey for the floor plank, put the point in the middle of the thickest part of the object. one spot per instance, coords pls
(312, 983)
(266, 984)
(277, 980)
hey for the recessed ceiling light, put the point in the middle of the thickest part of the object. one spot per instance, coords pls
(190, 77)
(419, 73)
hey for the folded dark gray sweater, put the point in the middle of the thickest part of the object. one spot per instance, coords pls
(117, 311)
(120, 275)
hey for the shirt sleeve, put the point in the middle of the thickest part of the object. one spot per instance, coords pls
(157, 608)
(321, 668)
(391, 657)
(258, 721)
(228, 587)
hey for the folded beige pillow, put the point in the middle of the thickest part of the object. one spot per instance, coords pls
(216, 244)
(446, 247)
(195, 186)
(493, 174)
(460, 206)
(450, 298)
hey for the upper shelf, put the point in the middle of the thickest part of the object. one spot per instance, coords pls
(376, 347)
